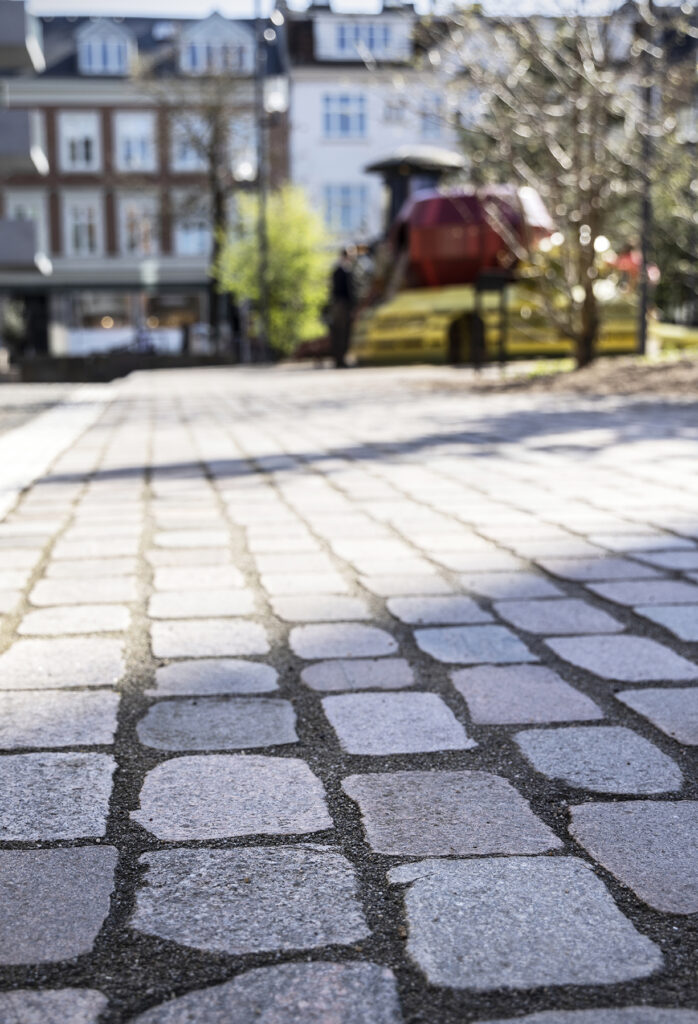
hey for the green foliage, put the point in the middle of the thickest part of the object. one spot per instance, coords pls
(298, 264)
(675, 196)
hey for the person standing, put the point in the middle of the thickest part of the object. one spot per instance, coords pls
(342, 302)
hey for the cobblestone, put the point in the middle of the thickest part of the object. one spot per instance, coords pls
(679, 619)
(87, 590)
(200, 604)
(231, 795)
(421, 814)
(209, 676)
(208, 638)
(358, 674)
(75, 618)
(467, 645)
(56, 719)
(218, 724)
(257, 898)
(60, 1006)
(341, 640)
(329, 608)
(520, 585)
(518, 923)
(511, 694)
(315, 993)
(631, 659)
(394, 723)
(607, 759)
(658, 592)
(53, 901)
(673, 711)
(424, 611)
(557, 616)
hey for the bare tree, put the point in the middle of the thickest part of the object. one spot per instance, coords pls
(571, 106)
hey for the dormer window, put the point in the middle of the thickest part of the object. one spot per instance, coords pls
(216, 46)
(105, 48)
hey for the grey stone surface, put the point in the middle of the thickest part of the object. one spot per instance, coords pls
(206, 676)
(473, 644)
(89, 590)
(583, 569)
(251, 899)
(358, 674)
(53, 902)
(198, 577)
(557, 616)
(200, 604)
(438, 813)
(504, 586)
(674, 711)
(605, 1015)
(207, 638)
(394, 723)
(655, 592)
(98, 547)
(310, 583)
(194, 558)
(679, 619)
(212, 723)
(56, 719)
(649, 845)
(605, 759)
(49, 664)
(215, 796)
(509, 694)
(87, 568)
(320, 608)
(62, 620)
(9, 599)
(405, 584)
(341, 640)
(312, 993)
(631, 659)
(517, 923)
(191, 538)
(678, 561)
(52, 1006)
(424, 611)
(54, 796)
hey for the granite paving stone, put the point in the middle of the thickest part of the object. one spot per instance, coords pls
(394, 723)
(679, 561)
(630, 659)
(203, 604)
(604, 759)
(198, 577)
(61, 620)
(9, 599)
(207, 638)
(209, 676)
(54, 796)
(216, 796)
(249, 900)
(54, 718)
(424, 611)
(649, 845)
(54, 1006)
(47, 664)
(679, 619)
(358, 674)
(518, 922)
(53, 902)
(605, 1015)
(107, 547)
(583, 569)
(14, 579)
(212, 723)
(280, 584)
(557, 616)
(674, 711)
(86, 590)
(321, 608)
(422, 814)
(525, 694)
(659, 592)
(191, 538)
(314, 993)
(280, 563)
(189, 558)
(340, 640)
(405, 584)
(473, 644)
(88, 568)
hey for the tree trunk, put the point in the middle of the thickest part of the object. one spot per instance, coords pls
(585, 348)
(220, 225)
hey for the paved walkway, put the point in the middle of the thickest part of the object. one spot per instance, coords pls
(334, 698)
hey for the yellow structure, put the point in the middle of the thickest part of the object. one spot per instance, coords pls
(432, 325)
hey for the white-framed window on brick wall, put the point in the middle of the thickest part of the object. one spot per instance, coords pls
(30, 204)
(79, 141)
(135, 140)
(346, 208)
(83, 227)
(344, 115)
(139, 224)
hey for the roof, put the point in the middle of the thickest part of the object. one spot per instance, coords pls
(419, 158)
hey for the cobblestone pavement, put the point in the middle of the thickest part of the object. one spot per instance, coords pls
(328, 699)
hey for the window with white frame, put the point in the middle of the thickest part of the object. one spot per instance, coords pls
(82, 224)
(30, 204)
(134, 140)
(189, 140)
(352, 37)
(346, 208)
(243, 146)
(344, 116)
(431, 116)
(214, 45)
(104, 48)
(206, 58)
(192, 234)
(138, 225)
(79, 141)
